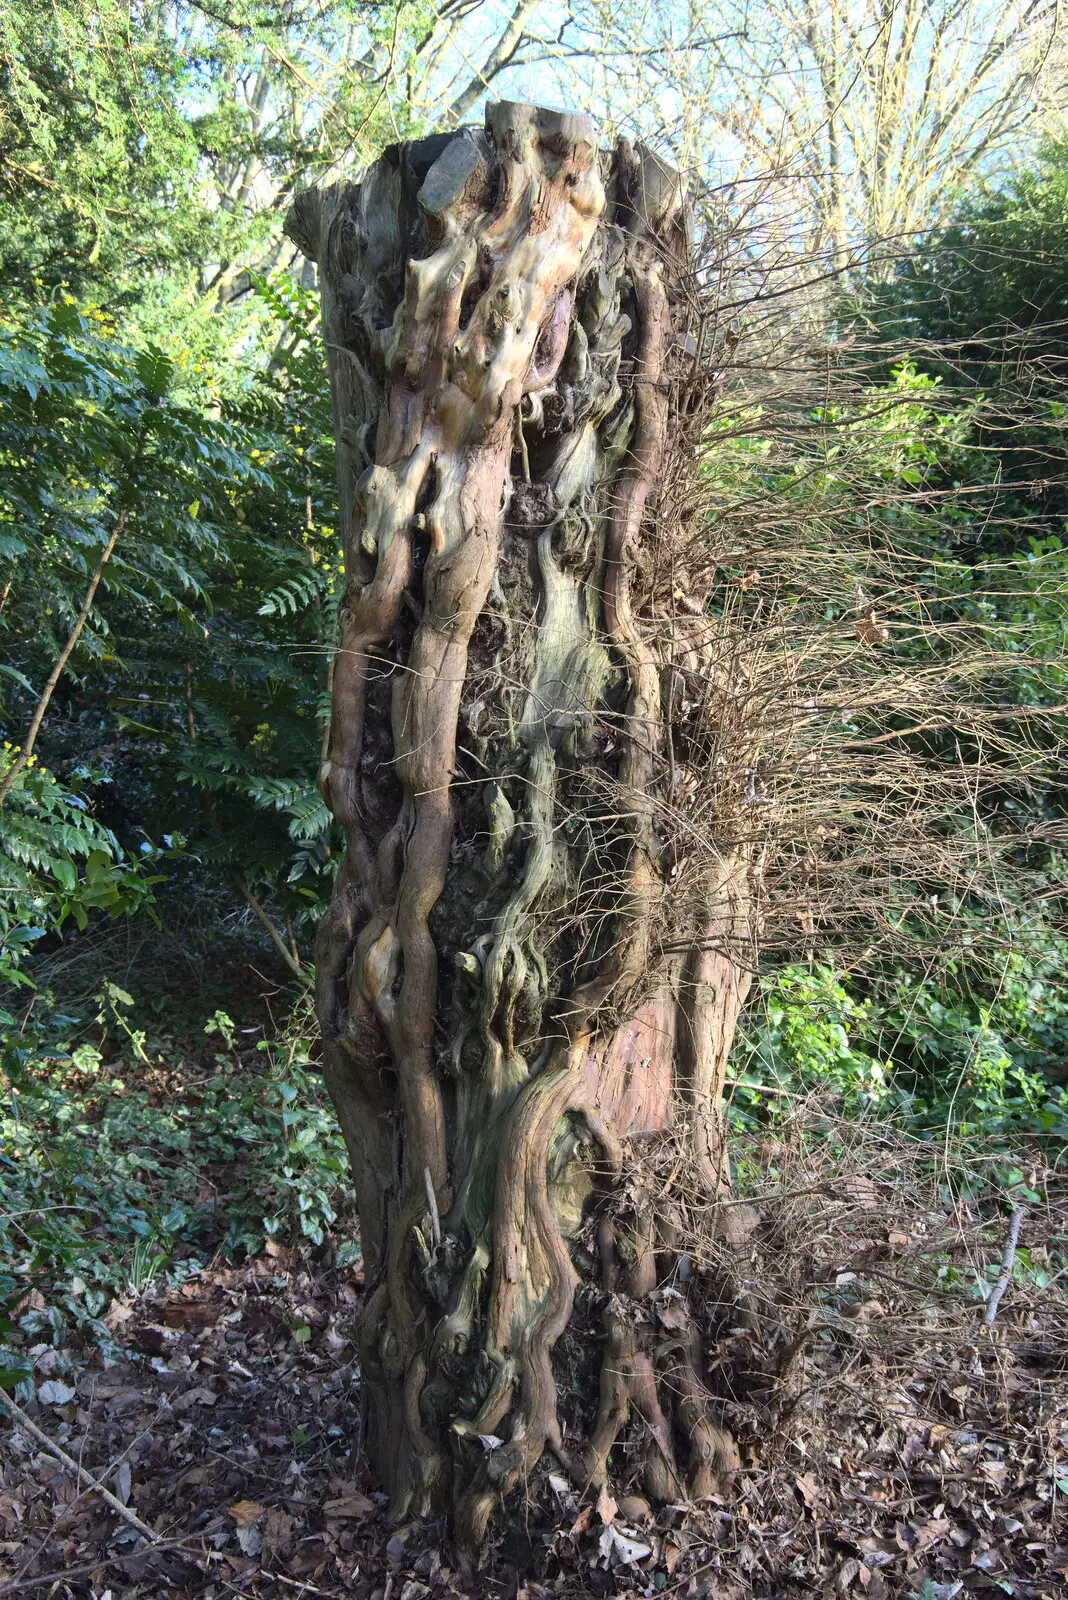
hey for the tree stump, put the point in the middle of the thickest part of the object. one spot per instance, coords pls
(511, 987)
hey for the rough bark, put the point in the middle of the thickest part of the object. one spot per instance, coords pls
(503, 1010)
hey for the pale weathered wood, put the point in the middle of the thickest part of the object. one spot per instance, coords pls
(500, 314)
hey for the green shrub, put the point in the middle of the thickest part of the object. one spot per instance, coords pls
(983, 1056)
(124, 1157)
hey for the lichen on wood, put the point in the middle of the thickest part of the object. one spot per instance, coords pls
(501, 1013)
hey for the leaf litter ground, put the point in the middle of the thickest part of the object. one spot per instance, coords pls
(892, 1445)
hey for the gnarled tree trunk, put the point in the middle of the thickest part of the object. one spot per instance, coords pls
(510, 990)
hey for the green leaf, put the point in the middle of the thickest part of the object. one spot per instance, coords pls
(11, 1377)
(22, 681)
(156, 372)
(65, 873)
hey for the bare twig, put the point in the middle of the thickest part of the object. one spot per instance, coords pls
(298, 1583)
(7, 783)
(290, 959)
(781, 1194)
(1007, 1260)
(88, 1569)
(432, 1202)
(86, 1479)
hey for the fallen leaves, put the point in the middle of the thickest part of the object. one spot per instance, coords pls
(246, 1515)
(194, 1399)
(118, 1312)
(245, 1512)
(633, 1508)
(353, 1504)
(606, 1506)
(621, 1549)
(918, 1467)
(53, 1392)
(809, 1490)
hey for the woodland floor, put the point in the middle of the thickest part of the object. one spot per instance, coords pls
(908, 1451)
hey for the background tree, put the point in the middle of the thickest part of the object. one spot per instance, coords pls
(148, 153)
(149, 146)
(165, 573)
(860, 120)
(982, 304)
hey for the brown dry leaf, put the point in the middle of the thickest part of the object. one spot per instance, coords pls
(846, 1575)
(809, 1490)
(245, 1513)
(934, 1530)
(124, 1400)
(606, 1506)
(861, 1190)
(581, 1522)
(278, 1531)
(673, 1315)
(194, 1397)
(635, 1508)
(284, 1256)
(869, 631)
(354, 1504)
(118, 1311)
(898, 1240)
(736, 1224)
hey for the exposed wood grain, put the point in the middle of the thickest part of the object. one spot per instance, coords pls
(496, 1013)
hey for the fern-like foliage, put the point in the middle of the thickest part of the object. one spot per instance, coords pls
(296, 594)
(58, 862)
(197, 688)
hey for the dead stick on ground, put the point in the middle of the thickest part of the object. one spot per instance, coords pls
(86, 1479)
(9, 1588)
(775, 1195)
(91, 1567)
(1006, 1267)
